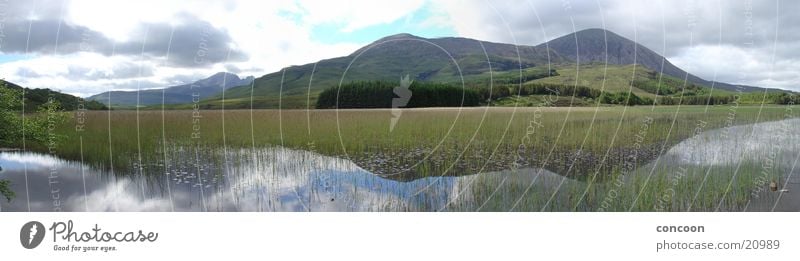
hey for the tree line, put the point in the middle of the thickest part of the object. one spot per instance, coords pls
(382, 94)
(35, 98)
(777, 98)
(503, 91)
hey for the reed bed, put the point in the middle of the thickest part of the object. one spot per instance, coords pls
(588, 146)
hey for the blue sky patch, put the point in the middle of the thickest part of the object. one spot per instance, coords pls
(414, 23)
(4, 58)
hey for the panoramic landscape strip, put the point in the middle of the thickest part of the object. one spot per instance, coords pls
(589, 120)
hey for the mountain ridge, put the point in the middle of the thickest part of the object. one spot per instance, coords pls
(453, 60)
(439, 59)
(177, 94)
(594, 45)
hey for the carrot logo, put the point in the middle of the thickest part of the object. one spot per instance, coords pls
(403, 93)
(31, 234)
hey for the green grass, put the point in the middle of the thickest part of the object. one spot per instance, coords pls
(451, 142)
(613, 78)
(538, 100)
(623, 78)
(694, 191)
(481, 131)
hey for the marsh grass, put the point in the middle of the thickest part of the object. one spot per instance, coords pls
(584, 145)
(483, 135)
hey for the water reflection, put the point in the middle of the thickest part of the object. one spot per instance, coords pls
(269, 179)
(774, 141)
(751, 156)
(280, 179)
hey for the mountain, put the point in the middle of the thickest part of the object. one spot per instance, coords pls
(176, 94)
(456, 60)
(36, 97)
(440, 59)
(598, 45)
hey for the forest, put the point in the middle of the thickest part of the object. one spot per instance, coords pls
(382, 94)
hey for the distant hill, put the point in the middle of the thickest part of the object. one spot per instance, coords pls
(36, 97)
(624, 78)
(599, 46)
(173, 95)
(438, 60)
(455, 60)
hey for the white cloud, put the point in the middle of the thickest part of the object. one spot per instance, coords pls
(262, 30)
(738, 65)
(276, 34)
(117, 19)
(85, 74)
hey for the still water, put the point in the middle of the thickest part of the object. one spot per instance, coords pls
(281, 179)
(268, 179)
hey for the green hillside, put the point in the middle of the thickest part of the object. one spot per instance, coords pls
(36, 97)
(481, 64)
(446, 60)
(623, 78)
(611, 79)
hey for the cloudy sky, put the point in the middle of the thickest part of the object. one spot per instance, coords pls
(85, 47)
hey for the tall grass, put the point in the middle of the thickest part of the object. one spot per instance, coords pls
(478, 136)
(588, 145)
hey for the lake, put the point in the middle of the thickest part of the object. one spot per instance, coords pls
(728, 169)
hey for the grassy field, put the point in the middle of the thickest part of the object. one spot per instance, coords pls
(469, 137)
(613, 78)
(593, 145)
